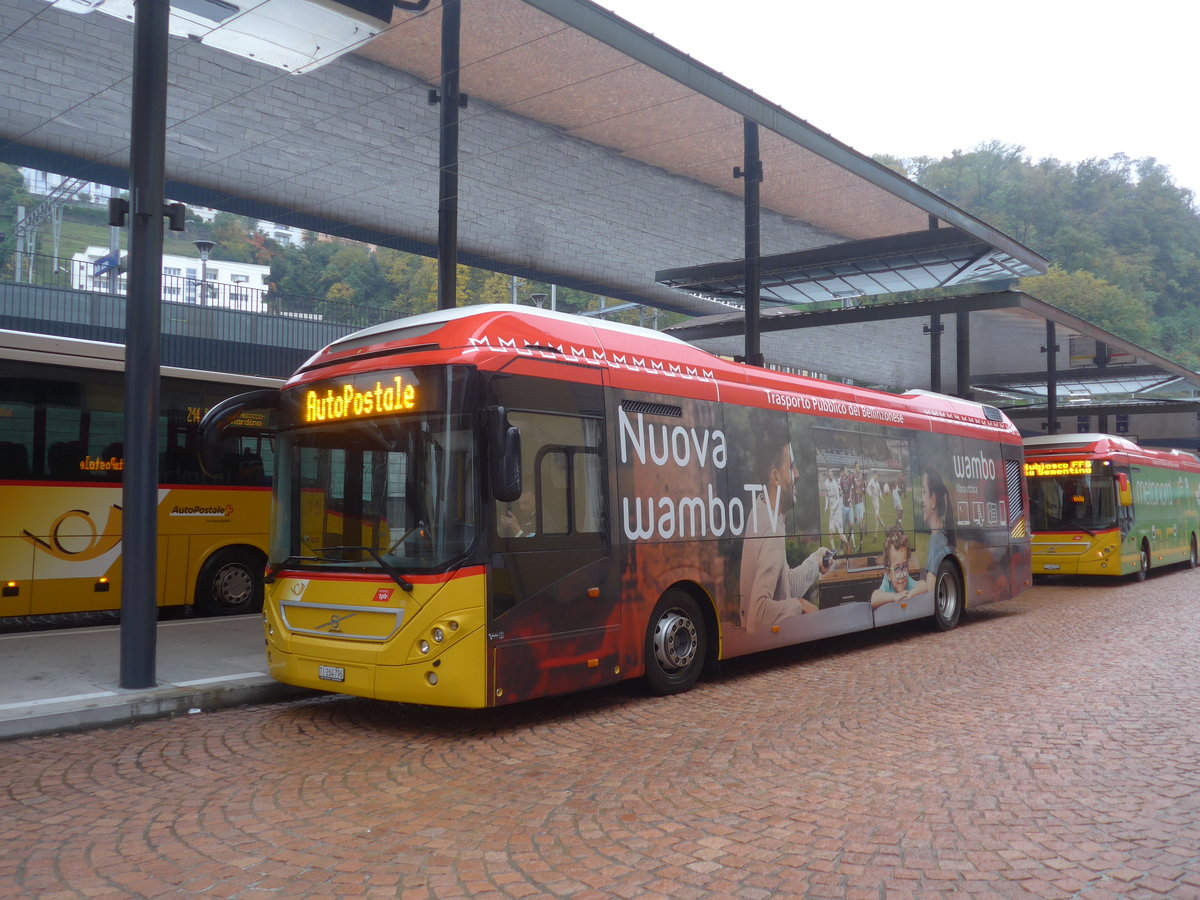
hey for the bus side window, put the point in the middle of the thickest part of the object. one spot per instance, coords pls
(588, 491)
(65, 457)
(564, 471)
(14, 460)
(552, 492)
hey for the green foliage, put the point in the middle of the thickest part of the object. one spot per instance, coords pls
(232, 235)
(1123, 238)
(12, 195)
(1094, 299)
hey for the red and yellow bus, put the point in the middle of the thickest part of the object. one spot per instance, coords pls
(61, 461)
(1102, 505)
(484, 505)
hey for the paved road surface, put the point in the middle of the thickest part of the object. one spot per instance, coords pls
(1049, 747)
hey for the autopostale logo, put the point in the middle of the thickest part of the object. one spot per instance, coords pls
(202, 510)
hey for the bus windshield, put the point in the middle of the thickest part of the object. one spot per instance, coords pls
(397, 492)
(1073, 502)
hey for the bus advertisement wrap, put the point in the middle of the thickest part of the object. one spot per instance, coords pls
(569, 503)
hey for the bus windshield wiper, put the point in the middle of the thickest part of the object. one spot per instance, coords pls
(392, 571)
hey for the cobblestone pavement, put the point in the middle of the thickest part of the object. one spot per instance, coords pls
(1049, 747)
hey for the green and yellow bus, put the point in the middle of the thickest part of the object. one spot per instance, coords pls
(61, 462)
(1102, 505)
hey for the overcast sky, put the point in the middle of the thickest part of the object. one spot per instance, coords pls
(1065, 79)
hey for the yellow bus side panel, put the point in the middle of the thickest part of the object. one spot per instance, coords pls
(16, 566)
(63, 545)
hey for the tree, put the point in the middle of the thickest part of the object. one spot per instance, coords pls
(232, 236)
(12, 195)
(1121, 220)
(1095, 300)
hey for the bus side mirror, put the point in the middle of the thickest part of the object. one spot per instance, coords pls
(1124, 494)
(217, 419)
(504, 451)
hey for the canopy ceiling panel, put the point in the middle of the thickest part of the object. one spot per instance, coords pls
(592, 154)
(892, 348)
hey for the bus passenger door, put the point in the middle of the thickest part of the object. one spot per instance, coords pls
(1125, 515)
(554, 615)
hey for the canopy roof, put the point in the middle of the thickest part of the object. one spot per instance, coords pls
(593, 155)
(889, 345)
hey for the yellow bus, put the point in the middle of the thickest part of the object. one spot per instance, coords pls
(61, 462)
(485, 505)
(1102, 505)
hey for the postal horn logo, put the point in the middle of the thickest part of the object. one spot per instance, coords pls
(74, 535)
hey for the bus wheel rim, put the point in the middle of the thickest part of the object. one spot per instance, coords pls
(675, 640)
(233, 585)
(947, 598)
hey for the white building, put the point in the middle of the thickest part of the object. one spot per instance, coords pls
(230, 285)
(42, 183)
(286, 235)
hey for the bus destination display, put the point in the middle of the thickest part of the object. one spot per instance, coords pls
(1052, 467)
(344, 402)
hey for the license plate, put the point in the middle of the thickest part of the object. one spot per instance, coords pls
(1051, 567)
(331, 673)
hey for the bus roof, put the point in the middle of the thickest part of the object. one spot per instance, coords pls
(490, 335)
(103, 356)
(1111, 445)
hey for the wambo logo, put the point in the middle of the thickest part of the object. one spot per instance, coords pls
(974, 467)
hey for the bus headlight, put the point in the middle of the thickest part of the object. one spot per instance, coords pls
(423, 645)
(438, 635)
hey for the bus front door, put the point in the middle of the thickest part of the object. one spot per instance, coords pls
(554, 612)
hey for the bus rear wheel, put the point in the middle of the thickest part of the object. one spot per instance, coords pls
(676, 643)
(947, 597)
(230, 583)
(1193, 556)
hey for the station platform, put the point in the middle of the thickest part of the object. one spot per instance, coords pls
(68, 679)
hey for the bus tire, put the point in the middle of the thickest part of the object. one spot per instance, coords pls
(1143, 569)
(230, 583)
(676, 644)
(947, 597)
(1193, 555)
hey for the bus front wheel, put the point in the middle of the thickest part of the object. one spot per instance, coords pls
(1193, 556)
(230, 583)
(676, 644)
(947, 597)
(1143, 570)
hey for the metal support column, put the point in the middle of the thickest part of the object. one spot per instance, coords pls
(934, 329)
(752, 172)
(1102, 363)
(449, 98)
(1051, 351)
(962, 353)
(143, 344)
